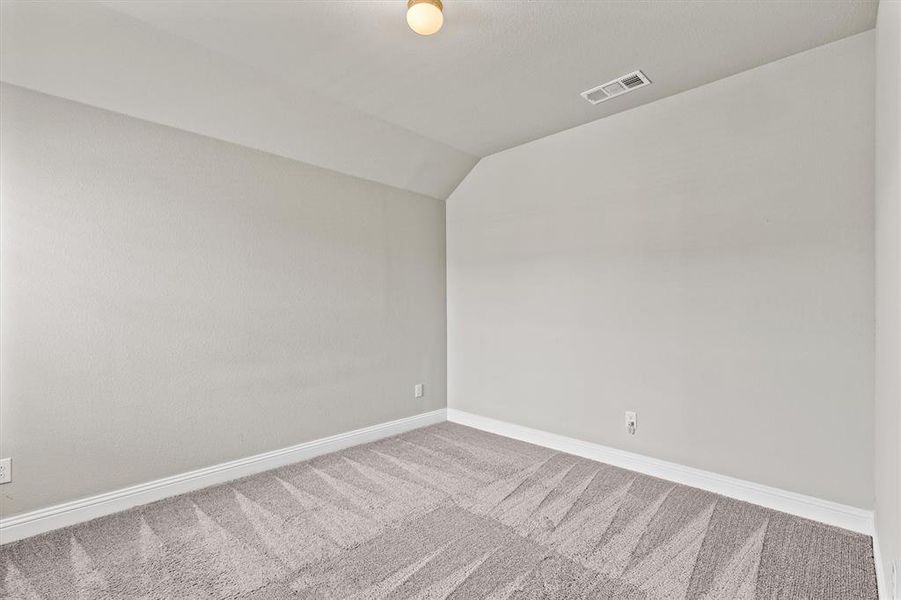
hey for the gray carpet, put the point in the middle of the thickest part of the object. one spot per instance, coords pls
(444, 512)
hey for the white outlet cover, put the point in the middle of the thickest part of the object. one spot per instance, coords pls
(418, 390)
(6, 472)
(631, 422)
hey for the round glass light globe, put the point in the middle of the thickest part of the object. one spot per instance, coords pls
(424, 17)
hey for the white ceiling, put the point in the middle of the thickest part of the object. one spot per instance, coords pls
(346, 85)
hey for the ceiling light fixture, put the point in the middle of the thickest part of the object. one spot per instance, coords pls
(425, 17)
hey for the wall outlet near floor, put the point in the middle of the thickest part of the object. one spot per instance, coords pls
(6, 470)
(631, 422)
(418, 390)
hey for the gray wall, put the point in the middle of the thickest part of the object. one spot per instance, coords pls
(888, 270)
(170, 301)
(705, 260)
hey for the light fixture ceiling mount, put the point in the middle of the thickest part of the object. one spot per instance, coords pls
(425, 17)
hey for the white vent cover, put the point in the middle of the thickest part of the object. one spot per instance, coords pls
(616, 87)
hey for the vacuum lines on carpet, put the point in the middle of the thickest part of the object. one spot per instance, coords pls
(444, 512)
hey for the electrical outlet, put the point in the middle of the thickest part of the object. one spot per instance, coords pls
(6, 470)
(418, 391)
(631, 422)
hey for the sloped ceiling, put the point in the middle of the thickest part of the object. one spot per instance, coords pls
(347, 86)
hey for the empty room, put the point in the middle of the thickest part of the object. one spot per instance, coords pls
(450, 299)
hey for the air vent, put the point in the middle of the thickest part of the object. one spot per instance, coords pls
(617, 87)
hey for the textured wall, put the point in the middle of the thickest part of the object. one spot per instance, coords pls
(888, 272)
(706, 260)
(171, 301)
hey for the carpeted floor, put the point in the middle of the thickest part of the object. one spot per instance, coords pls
(444, 512)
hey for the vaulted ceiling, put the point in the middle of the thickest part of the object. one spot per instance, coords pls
(347, 86)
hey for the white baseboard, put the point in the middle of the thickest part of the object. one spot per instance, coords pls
(881, 583)
(824, 511)
(62, 515)
(69, 513)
